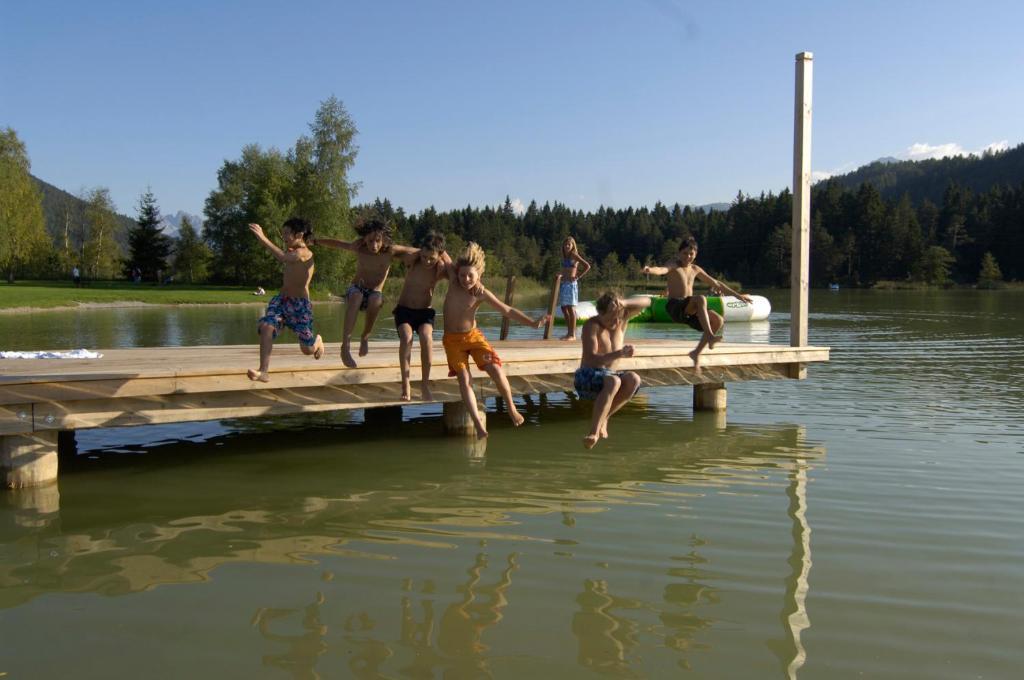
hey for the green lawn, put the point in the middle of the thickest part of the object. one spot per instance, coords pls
(60, 294)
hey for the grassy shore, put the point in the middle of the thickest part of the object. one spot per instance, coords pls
(51, 294)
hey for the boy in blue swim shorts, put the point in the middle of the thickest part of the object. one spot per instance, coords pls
(291, 307)
(596, 379)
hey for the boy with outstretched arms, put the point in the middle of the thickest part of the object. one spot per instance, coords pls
(603, 345)
(374, 251)
(413, 314)
(685, 307)
(463, 340)
(291, 307)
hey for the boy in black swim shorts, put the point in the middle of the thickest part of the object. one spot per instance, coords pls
(414, 315)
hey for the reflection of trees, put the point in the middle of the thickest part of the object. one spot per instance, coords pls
(303, 650)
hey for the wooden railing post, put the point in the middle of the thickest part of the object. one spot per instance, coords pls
(510, 292)
(551, 307)
(801, 222)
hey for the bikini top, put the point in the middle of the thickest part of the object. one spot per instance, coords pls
(568, 262)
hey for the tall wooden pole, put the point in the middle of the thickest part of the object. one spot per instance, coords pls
(801, 222)
(551, 307)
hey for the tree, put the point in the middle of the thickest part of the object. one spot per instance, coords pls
(101, 253)
(23, 236)
(268, 186)
(934, 266)
(990, 276)
(148, 246)
(611, 270)
(191, 254)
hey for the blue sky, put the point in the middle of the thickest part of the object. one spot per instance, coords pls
(589, 102)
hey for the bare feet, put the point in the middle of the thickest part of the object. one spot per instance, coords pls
(568, 337)
(261, 376)
(604, 431)
(425, 393)
(406, 394)
(318, 348)
(481, 433)
(714, 340)
(516, 416)
(590, 441)
(695, 355)
(364, 347)
(346, 356)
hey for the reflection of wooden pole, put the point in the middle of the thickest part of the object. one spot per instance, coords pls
(551, 307)
(801, 222)
(510, 292)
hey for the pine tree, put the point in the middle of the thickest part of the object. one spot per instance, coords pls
(990, 276)
(148, 246)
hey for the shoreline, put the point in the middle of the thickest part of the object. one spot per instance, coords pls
(135, 303)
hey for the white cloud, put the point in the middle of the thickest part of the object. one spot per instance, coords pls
(922, 150)
(517, 206)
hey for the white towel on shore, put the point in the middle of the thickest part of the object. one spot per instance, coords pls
(65, 354)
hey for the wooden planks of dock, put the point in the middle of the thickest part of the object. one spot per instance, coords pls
(175, 384)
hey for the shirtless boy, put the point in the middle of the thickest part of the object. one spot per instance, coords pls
(291, 307)
(413, 314)
(462, 339)
(374, 251)
(685, 307)
(596, 379)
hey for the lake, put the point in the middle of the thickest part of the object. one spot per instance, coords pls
(868, 521)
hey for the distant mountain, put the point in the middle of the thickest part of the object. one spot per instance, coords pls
(172, 223)
(60, 207)
(713, 207)
(928, 179)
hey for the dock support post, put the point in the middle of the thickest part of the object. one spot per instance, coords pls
(457, 420)
(28, 459)
(800, 262)
(67, 446)
(386, 416)
(510, 292)
(551, 307)
(709, 397)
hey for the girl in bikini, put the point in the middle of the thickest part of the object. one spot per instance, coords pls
(573, 269)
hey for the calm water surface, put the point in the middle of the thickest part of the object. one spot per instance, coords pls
(866, 522)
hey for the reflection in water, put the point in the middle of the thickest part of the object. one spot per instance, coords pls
(604, 637)
(303, 649)
(133, 526)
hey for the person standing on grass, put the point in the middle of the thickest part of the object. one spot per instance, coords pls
(573, 269)
(685, 307)
(76, 276)
(603, 345)
(374, 251)
(291, 307)
(462, 338)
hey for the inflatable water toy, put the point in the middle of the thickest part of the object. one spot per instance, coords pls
(731, 308)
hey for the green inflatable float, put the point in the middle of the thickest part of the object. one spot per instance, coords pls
(731, 309)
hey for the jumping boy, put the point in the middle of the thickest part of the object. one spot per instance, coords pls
(596, 378)
(462, 339)
(413, 314)
(685, 307)
(291, 307)
(374, 250)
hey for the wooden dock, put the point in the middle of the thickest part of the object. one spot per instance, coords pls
(41, 398)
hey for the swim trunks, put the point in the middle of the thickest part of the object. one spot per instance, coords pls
(367, 292)
(296, 313)
(459, 347)
(413, 317)
(676, 308)
(590, 381)
(568, 294)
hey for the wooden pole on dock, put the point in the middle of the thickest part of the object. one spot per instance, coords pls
(801, 222)
(551, 307)
(510, 292)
